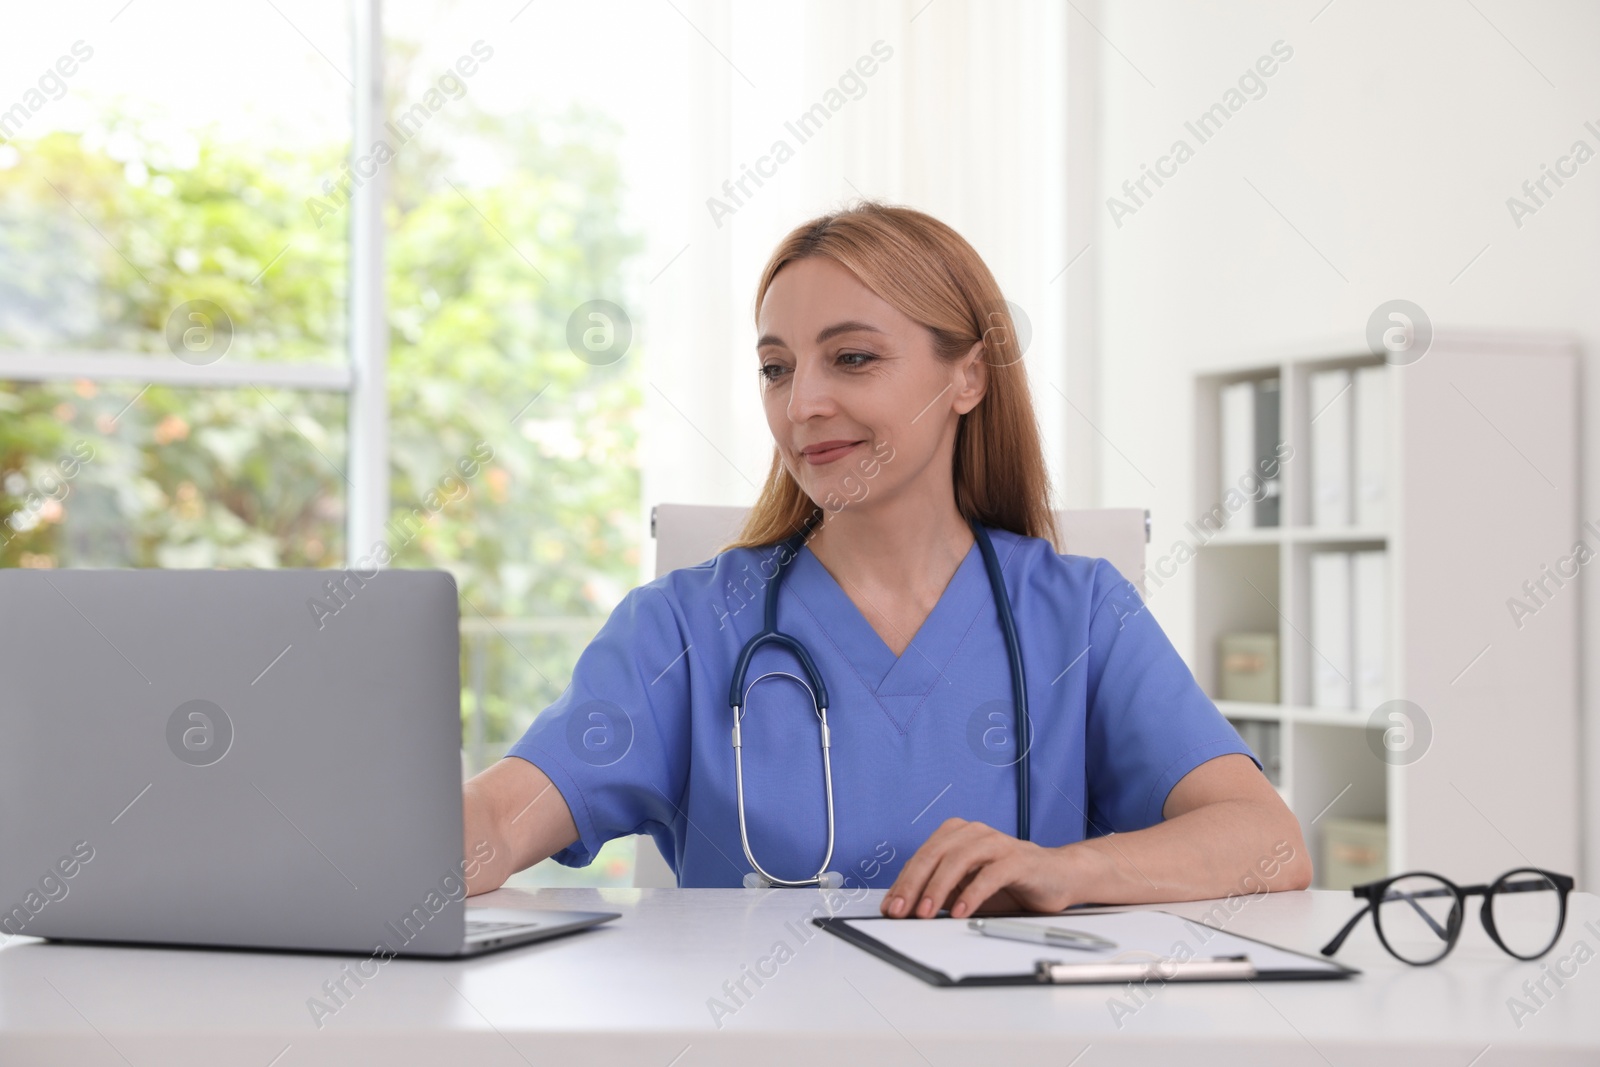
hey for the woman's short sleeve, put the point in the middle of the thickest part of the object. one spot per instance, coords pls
(616, 742)
(1149, 723)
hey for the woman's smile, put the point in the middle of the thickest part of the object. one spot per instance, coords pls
(828, 451)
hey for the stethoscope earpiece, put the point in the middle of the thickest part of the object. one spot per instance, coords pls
(760, 878)
(825, 880)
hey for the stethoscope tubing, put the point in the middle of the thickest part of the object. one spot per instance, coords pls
(1019, 686)
(827, 786)
(738, 696)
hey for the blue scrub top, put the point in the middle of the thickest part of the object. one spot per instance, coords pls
(640, 741)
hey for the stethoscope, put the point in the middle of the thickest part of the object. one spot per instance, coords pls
(738, 697)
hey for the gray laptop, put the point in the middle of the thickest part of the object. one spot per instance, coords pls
(255, 759)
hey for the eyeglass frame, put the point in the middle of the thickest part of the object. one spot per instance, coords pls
(1374, 893)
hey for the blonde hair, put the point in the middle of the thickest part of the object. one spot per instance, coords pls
(930, 274)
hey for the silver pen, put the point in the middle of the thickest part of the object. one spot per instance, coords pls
(1203, 967)
(1037, 934)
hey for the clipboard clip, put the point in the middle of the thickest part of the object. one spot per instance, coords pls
(1057, 972)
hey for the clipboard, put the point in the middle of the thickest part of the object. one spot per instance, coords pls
(943, 952)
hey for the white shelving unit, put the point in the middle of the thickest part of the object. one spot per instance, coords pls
(1482, 495)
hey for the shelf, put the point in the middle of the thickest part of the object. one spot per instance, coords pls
(1245, 535)
(1240, 709)
(1236, 709)
(1335, 535)
(1296, 535)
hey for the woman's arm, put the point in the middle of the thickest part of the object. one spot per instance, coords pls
(513, 817)
(1225, 831)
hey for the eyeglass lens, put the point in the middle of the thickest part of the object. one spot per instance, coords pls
(1525, 907)
(1418, 918)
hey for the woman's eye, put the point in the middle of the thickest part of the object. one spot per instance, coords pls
(771, 372)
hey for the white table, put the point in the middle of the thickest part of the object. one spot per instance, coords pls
(636, 991)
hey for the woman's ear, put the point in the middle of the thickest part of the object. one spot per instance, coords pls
(972, 379)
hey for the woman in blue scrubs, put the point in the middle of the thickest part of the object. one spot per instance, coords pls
(899, 410)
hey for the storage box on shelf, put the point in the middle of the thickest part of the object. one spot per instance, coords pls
(1459, 470)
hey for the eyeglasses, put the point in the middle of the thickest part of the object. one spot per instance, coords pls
(1418, 915)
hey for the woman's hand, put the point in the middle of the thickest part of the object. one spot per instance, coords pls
(966, 866)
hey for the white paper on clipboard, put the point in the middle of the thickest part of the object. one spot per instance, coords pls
(947, 945)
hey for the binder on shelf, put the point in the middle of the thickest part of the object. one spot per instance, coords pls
(1330, 408)
(1371, 446)
(1265, 739)
(1332, 674)
(1268, 506)
(1149, 945)
(1369, 583)
(1238, 447)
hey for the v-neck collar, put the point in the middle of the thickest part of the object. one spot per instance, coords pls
(900, 683)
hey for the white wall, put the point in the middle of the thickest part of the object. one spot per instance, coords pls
(1376, 166)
